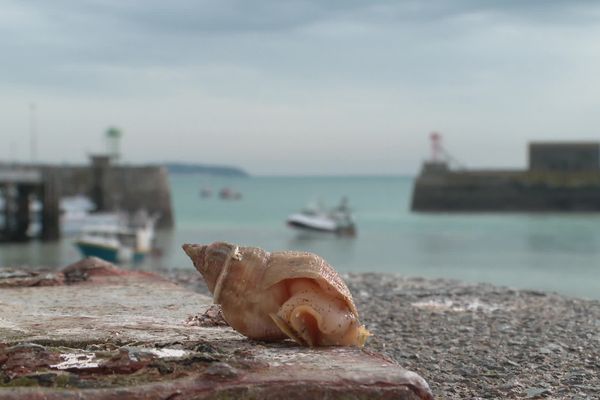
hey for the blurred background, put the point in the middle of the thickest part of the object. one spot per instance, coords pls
(436, 139)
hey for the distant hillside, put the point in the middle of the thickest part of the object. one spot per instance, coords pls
(222, 170)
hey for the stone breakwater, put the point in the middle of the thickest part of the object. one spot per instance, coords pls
(476, 341)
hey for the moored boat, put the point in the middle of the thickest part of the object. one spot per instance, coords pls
(227, 193)
(76, 212)
(118, 243)
(317, 218)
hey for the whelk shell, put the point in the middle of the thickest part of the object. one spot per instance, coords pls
(278, 295)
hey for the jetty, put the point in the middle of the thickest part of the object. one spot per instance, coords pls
(18, 183)
(561, 177)
(110, 186)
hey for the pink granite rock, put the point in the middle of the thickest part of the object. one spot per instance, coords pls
(123, 335)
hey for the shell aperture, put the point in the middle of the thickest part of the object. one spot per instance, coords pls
(273, 296)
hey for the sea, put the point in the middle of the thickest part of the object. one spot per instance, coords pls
(539, 251)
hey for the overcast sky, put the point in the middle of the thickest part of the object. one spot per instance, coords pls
(298, 87)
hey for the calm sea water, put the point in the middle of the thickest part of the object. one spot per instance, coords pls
(554, 252)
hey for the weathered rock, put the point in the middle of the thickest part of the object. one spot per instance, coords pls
(213, 316)
(76, 272)
(10, 277)
(24, 359)
(83, 269)
(123, 334)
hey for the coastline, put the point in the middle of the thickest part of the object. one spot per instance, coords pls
(476, 340)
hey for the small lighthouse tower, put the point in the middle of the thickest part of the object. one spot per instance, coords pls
(113, 144)
(437, 151)
(438, 161)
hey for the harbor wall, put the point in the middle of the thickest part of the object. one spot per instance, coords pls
(124, 187)
(440, 190)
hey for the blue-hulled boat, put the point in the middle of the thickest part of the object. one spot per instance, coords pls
(118, 243)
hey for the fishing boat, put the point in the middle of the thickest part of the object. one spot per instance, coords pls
(77, 213)
(315, 217)
(118, 243)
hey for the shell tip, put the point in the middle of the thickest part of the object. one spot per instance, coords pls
(196, 253)
(191, 249)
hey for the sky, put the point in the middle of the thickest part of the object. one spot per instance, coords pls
(304, 87)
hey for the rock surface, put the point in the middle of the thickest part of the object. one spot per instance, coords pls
(477, 341)
(102, 333)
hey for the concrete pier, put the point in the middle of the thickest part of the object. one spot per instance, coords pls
(118, 187)
(562, 177)
(128, 188)
(18, 186)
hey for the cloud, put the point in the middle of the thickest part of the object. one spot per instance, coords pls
(87, 44)
(295, 72)
(233, 16)
(92, 21)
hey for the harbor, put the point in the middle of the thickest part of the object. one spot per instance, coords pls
(238, 200)
(527, 251)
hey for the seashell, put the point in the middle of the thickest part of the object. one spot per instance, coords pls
(273, 296)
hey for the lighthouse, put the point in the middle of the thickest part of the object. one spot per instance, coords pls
(113, 144)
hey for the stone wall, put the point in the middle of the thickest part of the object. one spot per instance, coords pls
(564, 156)
(141, 187)
(129, 188)
(466, 191)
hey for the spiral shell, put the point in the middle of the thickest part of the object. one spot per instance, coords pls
(273, 296)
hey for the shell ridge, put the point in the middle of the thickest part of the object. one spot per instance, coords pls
(233, 254)
(305, 265)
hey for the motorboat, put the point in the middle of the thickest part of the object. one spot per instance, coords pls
(77, 213)
(118, 243)
(315, 217)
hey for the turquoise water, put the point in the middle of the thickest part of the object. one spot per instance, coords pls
(537, 251)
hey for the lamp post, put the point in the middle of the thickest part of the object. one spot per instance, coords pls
(32, 133)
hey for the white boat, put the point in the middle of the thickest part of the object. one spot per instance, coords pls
(77, 214)
(317, 218)
(118, 243)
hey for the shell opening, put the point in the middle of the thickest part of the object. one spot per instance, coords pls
(286, 328)
(313, 317)
(307, 322)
